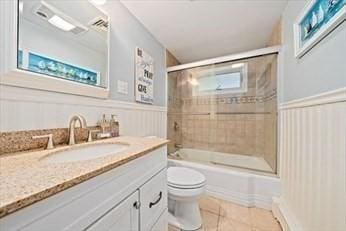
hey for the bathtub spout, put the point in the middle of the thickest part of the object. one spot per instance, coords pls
(174, 155)
(178, 145)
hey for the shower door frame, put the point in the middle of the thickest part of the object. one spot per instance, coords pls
(239, 56)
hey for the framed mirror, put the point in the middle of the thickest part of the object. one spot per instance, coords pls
(61, 46)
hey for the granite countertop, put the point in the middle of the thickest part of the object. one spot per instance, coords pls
(24, 179)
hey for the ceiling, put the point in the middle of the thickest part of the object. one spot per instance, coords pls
(194, 30)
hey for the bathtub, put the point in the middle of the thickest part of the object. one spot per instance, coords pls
(225, 181)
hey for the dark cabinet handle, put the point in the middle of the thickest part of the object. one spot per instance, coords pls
(151, 204)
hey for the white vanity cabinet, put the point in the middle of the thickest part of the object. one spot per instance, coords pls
(124, 216)
(130, 197)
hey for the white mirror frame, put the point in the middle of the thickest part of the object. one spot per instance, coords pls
(12, 76)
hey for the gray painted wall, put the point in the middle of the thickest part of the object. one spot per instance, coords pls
(126, 34)
(320, 70)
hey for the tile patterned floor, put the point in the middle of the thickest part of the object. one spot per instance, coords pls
(219, 215)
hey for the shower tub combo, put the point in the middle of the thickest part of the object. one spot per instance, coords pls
(231, 177)
(222, 122)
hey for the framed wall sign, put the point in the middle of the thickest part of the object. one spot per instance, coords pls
(317, 19)
(144, 77)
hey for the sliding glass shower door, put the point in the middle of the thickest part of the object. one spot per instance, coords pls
(225, 114)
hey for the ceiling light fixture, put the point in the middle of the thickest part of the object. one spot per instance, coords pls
(98, 2)
(61, 23)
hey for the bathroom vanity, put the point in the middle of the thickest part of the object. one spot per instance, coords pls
(126, 190)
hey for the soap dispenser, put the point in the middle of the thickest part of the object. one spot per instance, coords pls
(114, 126)
(105, 128)
(103, 123)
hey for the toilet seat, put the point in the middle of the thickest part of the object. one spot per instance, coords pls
(184, 178)
(186, 187)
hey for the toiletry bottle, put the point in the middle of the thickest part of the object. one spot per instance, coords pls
(114, 126)
(103, 123)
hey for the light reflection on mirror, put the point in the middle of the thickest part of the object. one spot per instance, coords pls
(63, 39)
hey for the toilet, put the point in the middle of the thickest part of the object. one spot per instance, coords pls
(185, 186)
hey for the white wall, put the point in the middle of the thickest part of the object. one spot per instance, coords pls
(320, 70)
(312, 129)
(127, 33)
(26, 109)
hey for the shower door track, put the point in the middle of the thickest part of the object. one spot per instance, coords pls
(225, 113)
(222, 59)
(242, 113)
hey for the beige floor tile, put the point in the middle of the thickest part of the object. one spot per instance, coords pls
(234, 217)
(235, 212)
(263, 220)
(210, 221)
(227, 224)
(209, 204)
(172, 228)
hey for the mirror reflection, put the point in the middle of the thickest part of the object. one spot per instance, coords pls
(63, 39)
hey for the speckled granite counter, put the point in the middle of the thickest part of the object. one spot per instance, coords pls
(24, 179)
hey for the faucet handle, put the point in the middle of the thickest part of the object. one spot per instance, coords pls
(50, 144)
(90, 138)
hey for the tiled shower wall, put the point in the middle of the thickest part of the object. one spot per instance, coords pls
(243, 123)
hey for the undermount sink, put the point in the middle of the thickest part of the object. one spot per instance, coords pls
(86, 152)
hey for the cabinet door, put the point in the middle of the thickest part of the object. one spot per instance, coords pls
(161, 224)
(153, 196)
(124, 217)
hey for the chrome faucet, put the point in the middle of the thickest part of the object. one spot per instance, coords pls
(72, 126)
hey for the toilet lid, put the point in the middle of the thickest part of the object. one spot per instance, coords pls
(180, 177)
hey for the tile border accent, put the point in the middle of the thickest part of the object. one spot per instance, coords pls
(228, 100)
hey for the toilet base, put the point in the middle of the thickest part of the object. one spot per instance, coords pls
(185, 216)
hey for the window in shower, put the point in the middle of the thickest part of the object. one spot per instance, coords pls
(222, 80)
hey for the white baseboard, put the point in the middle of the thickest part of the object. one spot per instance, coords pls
(282, 213)
(245, 199)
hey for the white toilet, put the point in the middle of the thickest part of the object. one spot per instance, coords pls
(185, 186)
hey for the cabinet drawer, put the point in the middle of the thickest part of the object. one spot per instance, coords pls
(153, 197)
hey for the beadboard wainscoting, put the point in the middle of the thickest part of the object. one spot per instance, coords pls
(26, 109)
(312, 163)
